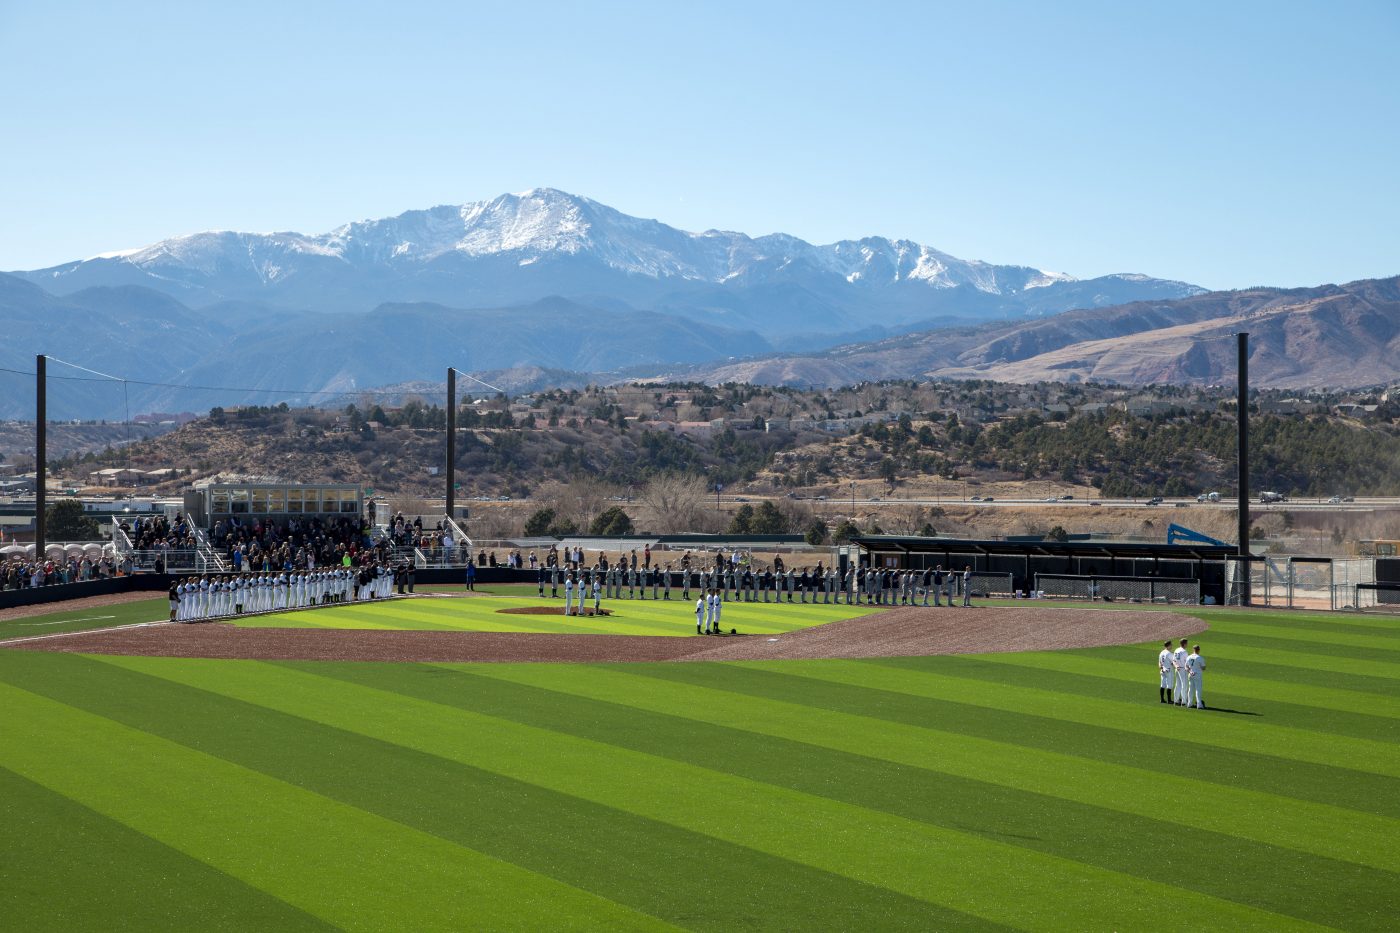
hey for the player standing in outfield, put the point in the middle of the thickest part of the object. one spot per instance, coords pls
(1179, 669)
(1166, 669)
(700, 615)
(1195, 678)
(967, 585)
(568, 593)
(597, 592)
(175, 589)
(719, 605)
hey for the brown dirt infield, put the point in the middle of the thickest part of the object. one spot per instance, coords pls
(894, 632)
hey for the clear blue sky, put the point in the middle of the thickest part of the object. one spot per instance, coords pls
(1227, 144)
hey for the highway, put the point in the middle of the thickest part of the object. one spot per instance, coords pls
(1366, 504)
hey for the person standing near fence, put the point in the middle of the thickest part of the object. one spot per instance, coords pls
(1195, 678)
(1167, 671)
(967, 585)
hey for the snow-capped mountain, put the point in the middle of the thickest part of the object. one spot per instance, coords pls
(519, 248)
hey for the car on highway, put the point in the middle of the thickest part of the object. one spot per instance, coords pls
(976, 499)
(1155, 500)
(1208, 497)
(1335, 500)
(1267, 497)
(873, 499)
(1066, 498)
(1348, 498)
(990, 499)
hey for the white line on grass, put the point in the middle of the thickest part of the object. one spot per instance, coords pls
(86, 631)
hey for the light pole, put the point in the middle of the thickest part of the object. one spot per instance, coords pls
(853, 503)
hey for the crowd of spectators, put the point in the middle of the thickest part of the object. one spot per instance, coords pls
(158, 533)
(20, 575)
(296, 544)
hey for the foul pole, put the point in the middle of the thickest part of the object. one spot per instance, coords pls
(451, 443)
(41, 455)
(1242, 461)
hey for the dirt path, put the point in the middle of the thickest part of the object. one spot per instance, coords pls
(895, 632)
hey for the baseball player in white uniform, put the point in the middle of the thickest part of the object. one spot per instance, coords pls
(1179, 668)
(1195, 679)
(1166, 671)
(719, 604)
(568, 594)
(700, 615)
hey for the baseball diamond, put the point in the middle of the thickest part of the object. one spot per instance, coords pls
(841, 768)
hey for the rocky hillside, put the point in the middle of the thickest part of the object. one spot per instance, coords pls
(1331, 336)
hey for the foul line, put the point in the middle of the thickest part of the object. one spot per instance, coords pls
(84, 631)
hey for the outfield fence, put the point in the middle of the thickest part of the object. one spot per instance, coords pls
(989, 585)
(1382, 597)
(1178, 591)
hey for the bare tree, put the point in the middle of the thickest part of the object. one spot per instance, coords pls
(674, 503)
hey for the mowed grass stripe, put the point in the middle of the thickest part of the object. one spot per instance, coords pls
(1073, 664)
(1274, 663)
(1313, 634)
(632, 617)
(876, 846)
(351, 868)
(1309, 621)
(647, 865)
(1306, 734)
(1251, 640)
(65, 867)
(1269, 877)
(1250, 812)
(80, 620)
(1138, 732)
(1352, 836)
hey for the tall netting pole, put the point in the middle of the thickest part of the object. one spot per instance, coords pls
(41, 455)
(1242, 461)
(451, 443)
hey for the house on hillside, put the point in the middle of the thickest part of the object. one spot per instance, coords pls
(117, 476)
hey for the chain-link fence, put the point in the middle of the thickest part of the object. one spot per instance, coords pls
(1185, 592)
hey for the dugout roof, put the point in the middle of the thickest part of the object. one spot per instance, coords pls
(902, 544)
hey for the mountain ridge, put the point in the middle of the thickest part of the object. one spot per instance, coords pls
(1342, 336)
(517, 248)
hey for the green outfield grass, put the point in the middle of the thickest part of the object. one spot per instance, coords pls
(1028, 791)
(629, 616)
(77, 620)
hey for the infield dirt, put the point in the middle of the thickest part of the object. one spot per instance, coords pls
(891, 633)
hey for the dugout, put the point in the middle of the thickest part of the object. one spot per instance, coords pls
(1024, 560)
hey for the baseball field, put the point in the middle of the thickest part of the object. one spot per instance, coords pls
(1027, 790)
